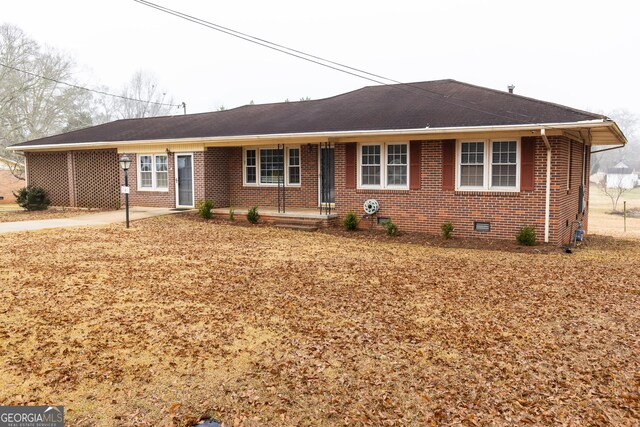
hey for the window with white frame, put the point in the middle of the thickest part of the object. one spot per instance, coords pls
(268, 165)
(293, 166)
(250, 166)
(384, 166)
(146, 171)
(371, 165)
(488, 165)
(472, 164)
(153, 172)
(162, 172)
(397, 165)
(503, 163)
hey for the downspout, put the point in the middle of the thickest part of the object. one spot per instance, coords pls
(547, 205)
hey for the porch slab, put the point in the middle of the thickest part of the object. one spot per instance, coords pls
(298, 213)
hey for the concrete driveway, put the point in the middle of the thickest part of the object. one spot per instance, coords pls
(98, 218)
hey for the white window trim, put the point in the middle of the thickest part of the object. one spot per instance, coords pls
(384, 151)
(299, 166)
(154, 186)
(244, 167)
(286, 166)
(488, 162)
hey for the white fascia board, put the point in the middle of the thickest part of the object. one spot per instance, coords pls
(336, 134)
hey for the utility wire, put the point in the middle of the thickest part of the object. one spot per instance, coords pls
(87, 89)
(251, 39)
(260, 41)
(324, 62)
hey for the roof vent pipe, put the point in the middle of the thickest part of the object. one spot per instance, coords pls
(511, 88)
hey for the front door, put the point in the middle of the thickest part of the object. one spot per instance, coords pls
(326, 187)
(184, 181)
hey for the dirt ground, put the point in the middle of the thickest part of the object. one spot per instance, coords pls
(601, 221)
(175, 319)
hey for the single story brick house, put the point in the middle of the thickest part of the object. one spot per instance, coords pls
(429, 152)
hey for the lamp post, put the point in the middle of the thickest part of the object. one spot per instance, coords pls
(125, 163)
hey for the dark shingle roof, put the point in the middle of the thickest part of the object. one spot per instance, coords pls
(434, 104)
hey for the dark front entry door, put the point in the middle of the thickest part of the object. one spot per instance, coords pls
(326, 181)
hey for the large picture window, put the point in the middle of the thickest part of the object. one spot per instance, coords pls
(263, 166)
(270, 164)
(488, 165)
(153, 172)
(384, 166)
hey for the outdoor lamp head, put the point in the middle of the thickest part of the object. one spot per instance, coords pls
(125, 162)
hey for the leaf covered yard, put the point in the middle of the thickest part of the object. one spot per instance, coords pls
(175, 319)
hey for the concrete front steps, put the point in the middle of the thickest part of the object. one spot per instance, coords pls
(298, 224)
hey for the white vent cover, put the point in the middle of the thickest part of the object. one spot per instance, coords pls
(371, 206)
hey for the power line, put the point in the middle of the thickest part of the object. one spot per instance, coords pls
(89, 90)
(324, 62)
(260, 41)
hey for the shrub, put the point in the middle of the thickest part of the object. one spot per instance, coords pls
(253, 216)
(391, 228)
(526, 236)
(32, 198)
(204, 208)
(231, 212)
(447, 229)
(350, 221)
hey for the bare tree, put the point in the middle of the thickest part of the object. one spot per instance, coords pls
(16, 168)
(143, 86)
(613, 189)
(33, 107)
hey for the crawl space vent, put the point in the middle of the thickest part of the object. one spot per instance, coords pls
(482, 227)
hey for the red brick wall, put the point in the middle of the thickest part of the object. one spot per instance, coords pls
(51, 172)
(164, 199)
(199, 187)
(216, 175)
(160, 199)
(9, 184)
(95, 179)
(305, 196)
(566, 162)
(86, 178)
(429, 207)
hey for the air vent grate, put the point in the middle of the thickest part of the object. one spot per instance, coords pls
(482, 227)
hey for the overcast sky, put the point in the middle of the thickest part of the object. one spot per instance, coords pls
(579, 53)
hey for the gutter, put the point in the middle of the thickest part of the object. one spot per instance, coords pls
(547, 202)
(610, 148)
(336, 134)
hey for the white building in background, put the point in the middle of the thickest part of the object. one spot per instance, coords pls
(621, 176)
